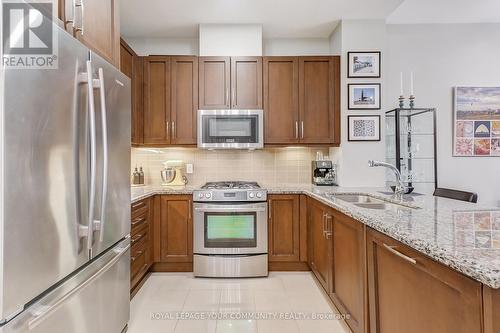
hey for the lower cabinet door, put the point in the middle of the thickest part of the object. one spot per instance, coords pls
(411, 293)
(176, 228)
(319, 252)
(348, 278)
(284, 224)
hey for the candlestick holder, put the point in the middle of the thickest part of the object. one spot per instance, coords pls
(412, 101)
(401, 102)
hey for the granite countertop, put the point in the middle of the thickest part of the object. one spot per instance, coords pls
(460, 235)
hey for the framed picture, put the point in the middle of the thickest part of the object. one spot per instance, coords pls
(476, 122)
(363, 128)
(363, 64)
(363, 96)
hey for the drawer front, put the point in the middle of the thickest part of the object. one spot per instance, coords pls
(139, 221)
(139, 234)
(138, 261)
(139, 208)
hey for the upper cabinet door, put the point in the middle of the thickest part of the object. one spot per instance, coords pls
(138, 101)
(281, 100)
(156, 100)
(184, 100)
(246, 82)
(97, 26)
(126, 59)
(214, 83)
(319, 95)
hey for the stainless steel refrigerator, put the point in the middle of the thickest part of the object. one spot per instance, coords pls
(65, 195)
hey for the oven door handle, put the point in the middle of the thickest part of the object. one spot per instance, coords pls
(229, 209)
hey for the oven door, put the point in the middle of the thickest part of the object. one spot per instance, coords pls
(230, 129)
(232, 228)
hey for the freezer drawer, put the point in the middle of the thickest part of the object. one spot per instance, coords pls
(96, 300)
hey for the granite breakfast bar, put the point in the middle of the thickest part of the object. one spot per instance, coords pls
(438, 236)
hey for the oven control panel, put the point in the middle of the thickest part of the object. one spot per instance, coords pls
(236, 195)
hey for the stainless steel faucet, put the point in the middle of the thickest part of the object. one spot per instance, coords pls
(400, 186)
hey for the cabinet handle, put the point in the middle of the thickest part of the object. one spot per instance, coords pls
(233, 96)
(329, 226)
(227, 97)
(324, 225)
(173, 129)
(189, 209)
(136, 238)
(168, 129)
(270, 208)
(138, 221)
(139, 204)
(302, 129)
(296, 129)
(67, 17)
(399, 254)
(82, 13)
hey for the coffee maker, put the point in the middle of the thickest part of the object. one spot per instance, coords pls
(324, 173)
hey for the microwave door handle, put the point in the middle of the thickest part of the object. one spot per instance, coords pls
(104, 125)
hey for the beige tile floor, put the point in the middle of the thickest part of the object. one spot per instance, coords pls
(165, 297)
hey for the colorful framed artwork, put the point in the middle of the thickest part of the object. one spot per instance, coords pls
(363, 128)
(476, 122)
(364, 64)
(363, 96)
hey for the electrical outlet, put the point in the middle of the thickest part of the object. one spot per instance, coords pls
(189, 168)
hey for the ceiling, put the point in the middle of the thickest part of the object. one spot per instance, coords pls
(446, 11)
(279, 18)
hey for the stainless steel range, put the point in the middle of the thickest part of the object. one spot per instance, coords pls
(230, 230)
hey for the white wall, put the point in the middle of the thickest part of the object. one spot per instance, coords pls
(230, 40)
(352, 157)
(296, 46)
(443, 56)
(164, 46)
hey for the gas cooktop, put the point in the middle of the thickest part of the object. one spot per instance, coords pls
(230, 191)
(230, 185)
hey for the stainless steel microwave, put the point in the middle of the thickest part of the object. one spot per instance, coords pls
(230, 129)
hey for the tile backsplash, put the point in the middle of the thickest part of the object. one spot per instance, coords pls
(269, 167)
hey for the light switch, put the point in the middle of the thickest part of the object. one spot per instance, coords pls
(189, 168)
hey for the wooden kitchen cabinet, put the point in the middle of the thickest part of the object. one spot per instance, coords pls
(96, 24)
(184, 100)
(127, 59)
(132, 66)
(302, 100)
(230, 83)
(246, 82)
(409, 292)
(281, 100)
(320, 242)
(170, 100)
(214, 83)
(348, 287)
(141, 239)
(156, 100)
(284, 228)
(176, 229)
(319, 100)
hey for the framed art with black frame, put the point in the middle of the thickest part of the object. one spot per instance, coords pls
(363, 128)
(363, 96)
(363, 64)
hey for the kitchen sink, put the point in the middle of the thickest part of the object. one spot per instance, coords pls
(381, 206)
(357, 198)
(369, 202)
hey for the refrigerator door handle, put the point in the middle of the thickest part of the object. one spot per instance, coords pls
(46, 310)
(100, 223)
(93, 154)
